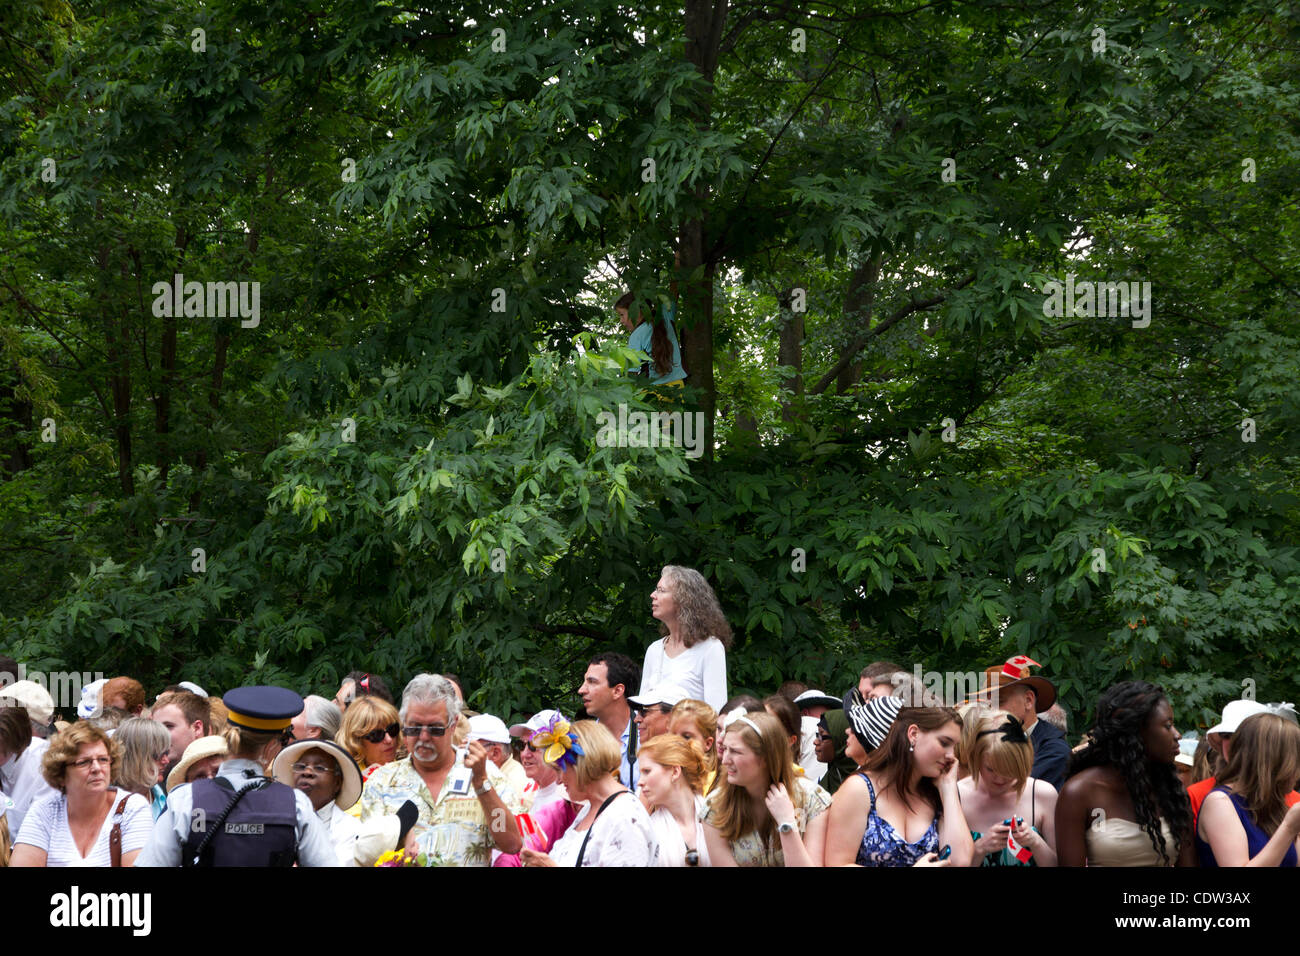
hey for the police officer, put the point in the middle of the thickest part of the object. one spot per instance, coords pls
(240, 817)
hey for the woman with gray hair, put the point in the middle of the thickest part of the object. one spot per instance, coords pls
(319, 720)
(146, 746)
(692, 653)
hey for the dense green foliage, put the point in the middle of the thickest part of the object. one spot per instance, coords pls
(923, 465)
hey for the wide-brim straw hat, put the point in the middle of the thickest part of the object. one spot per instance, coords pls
(198, 750)
(349, 793)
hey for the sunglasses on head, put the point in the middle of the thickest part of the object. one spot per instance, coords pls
(377, 735)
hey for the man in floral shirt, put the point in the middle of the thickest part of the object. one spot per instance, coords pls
(466, 809)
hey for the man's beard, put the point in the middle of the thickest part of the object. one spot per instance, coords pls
(425, 755)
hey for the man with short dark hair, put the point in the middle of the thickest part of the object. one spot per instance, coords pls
(604, 691)
(867, 681)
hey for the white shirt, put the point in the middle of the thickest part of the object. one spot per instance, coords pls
(46, 828)
(813, 768)
(700, 670)
(672, 848)
(343, 828)
(22, 782)
(621, 836)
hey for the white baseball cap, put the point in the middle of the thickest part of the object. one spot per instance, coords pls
(90, 704)
(665, 694)
(533, 724)
(489, 729)
(37, 700)
(1234, 713)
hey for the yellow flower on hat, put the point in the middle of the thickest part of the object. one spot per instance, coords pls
(561, 743)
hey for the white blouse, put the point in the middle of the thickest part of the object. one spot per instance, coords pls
(621, 836)
(700, 670)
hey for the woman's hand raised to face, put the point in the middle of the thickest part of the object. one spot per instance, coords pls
(952, 770)
(779, 805)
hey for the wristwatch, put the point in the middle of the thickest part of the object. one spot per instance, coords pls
(785, 828)
(487, 785)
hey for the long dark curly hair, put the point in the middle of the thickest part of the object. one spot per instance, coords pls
(1122, 715)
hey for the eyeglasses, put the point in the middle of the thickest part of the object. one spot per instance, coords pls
(418, 729)
(85, 763)
(377, 735)
(319, 769)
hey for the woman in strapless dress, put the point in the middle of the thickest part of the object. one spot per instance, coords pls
(1122, 803)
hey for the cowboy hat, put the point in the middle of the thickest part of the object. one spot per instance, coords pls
(1015, 673)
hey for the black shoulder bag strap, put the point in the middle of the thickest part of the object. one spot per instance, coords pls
(220, 821)
(608, 800)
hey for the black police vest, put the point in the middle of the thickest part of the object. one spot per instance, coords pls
(261, 830)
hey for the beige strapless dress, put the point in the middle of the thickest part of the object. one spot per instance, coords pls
(1119, 842)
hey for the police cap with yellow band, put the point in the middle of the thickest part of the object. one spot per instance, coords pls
(262, 709)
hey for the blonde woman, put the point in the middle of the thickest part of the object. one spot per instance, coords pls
(613, 828)
(761, 813)
(692, 651)
(370, 732)
(146, 747)
(695, 720)
(1000, 789)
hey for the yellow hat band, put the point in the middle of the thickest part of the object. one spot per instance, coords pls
(257, 723)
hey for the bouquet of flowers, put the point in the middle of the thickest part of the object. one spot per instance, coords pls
(402, 858)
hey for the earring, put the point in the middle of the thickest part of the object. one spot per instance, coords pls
(911, 748)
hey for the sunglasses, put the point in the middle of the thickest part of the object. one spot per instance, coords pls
(417, 730)
(377, 735)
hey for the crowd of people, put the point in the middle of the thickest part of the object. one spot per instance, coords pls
(661, 769)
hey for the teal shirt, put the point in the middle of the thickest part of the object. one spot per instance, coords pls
(640, 340)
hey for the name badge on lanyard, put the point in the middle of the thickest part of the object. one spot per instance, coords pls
(458, 779)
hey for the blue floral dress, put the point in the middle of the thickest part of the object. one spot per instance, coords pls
(883, 846)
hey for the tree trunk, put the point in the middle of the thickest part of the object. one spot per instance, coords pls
(858, 306)
(790, 352)
(119, 385)
(704, 20)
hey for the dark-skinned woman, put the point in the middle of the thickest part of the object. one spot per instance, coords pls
(332, 781)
